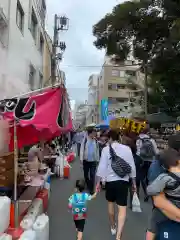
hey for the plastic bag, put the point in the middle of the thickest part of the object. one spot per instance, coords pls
(74, 149)
(136, 206)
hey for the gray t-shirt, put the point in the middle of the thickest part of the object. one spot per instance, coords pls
(167, 184)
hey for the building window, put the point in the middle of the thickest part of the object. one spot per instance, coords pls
(122, 74)
(120, 86)
(32, 73)
(41, 43)
(121, 100)
(34, 24)
(20, 16)
(115, 73)
(112, 86)
(131, 73)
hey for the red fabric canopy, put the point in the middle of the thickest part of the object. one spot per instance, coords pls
(38, 117)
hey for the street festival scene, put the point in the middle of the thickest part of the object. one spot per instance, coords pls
(89, 120)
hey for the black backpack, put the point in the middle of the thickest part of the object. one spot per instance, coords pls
(119, 165)
(147, 150)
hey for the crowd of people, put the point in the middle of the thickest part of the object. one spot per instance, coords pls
(122, 163)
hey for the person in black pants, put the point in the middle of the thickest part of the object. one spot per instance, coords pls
(89, 156)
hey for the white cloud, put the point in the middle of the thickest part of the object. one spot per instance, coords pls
(83, 14)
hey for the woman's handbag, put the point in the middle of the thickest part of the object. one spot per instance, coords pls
(119, 165)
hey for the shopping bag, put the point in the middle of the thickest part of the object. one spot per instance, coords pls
(74, 149)
(136, 206)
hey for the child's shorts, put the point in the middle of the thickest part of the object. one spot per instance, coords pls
(80, 225)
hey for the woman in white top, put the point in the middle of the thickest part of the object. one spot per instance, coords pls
(116, 187)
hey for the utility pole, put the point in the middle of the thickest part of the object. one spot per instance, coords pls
(61, 23)
(53, 60)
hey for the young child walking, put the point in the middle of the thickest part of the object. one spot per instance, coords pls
(169, 183)
(78, 203)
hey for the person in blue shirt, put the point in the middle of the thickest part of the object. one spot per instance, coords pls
(155, 170)
(78, 204)
(89, 158)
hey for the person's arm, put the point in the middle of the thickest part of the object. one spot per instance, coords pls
(97, 152)
(133, 169)
(102, 167)
(82, 150)
(167, 207)
(70, 201)
(131, 162)
(155, 146)
(138, 146)
(91, 197)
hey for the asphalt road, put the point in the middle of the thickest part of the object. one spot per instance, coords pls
(97, 227)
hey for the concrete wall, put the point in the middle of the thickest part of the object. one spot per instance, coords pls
(47, 61)
(22, 49)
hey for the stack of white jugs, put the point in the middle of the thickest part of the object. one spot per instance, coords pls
(5, 204)
(35, 224)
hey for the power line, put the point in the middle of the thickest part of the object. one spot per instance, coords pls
(100, 66)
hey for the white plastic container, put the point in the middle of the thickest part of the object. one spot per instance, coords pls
(5, 237)
(34, 211)
(5, 203)
(28, 235)
(41, 227)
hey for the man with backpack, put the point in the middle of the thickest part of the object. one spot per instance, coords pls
(89, 157)
(147, 150)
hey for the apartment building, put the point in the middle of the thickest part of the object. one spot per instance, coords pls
(92, 113)
(79, 114)
(22, 39)
(120, 88)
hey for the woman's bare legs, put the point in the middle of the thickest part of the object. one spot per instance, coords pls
(121, 221)
(111, 213)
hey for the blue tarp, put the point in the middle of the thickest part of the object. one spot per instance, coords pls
(106, 123)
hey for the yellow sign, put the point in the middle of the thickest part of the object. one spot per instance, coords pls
(125, 123)
(178, 128)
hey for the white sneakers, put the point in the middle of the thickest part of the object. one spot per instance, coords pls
(113, 231)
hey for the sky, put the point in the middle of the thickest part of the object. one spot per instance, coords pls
(81, 58)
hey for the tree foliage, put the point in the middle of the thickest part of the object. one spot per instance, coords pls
(151, 28)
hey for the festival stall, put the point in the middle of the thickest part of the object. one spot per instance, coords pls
(122, 124)
(130, 125)
(34, 117)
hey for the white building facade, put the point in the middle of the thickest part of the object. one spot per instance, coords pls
(22, 40)
(92, 113)
(79, 114)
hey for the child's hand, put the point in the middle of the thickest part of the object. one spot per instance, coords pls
(69, 206)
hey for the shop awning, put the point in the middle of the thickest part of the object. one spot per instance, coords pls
(42, 116)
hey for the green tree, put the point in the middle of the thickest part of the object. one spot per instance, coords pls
(150, 27)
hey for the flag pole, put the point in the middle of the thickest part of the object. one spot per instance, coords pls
(16, 207)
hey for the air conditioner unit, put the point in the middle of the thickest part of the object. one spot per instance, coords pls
(3, 19)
